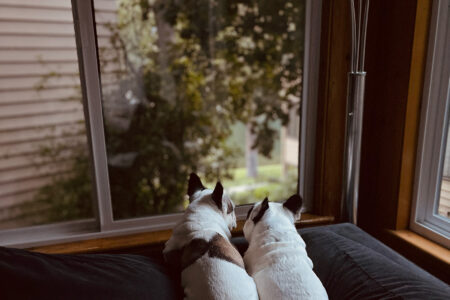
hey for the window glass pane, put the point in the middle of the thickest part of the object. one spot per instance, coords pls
(443, 206)
(206, 86)
(44, 172)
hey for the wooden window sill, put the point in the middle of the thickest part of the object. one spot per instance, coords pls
(431, 256)
(149, 239)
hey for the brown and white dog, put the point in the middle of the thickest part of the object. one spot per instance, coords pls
(211, 267)
(276, 257)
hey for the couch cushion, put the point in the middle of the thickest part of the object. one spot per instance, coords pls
(353, 265)
(350, 263)
(28, 275)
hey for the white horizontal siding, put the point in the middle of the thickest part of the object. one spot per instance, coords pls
(52, 4)
(45, 108)
(68, 128)
(32, 172)
(36, 14)
(24, 161)
(37, 56)
(39, 82)
(16, 187)
(35, 147)
(9, 70)
(34, 95)
(28, 28)
(40, 96)
(38, 69)
(444, 201)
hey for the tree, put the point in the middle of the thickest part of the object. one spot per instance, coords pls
(193, 69)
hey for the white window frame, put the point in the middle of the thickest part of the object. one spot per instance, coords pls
(433, 131)
(104, 225)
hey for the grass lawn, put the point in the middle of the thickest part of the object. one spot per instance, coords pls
(237, 141)
(269, 183)
(265, 173)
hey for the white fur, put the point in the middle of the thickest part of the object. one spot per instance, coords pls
(213, 278)
(209, 277)
(277, 259)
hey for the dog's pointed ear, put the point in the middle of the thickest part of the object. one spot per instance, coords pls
(294, 204)
(264, 207)
(217, 195)
(195, 184)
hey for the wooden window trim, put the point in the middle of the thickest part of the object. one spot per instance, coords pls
(413, 111)
(432, 133)
(334, 66)
(392, 109)
(148, 239)
(395, 63)
(427, 254)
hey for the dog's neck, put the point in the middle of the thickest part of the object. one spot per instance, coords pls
(200, 221)
(271, 240)
(272, 229)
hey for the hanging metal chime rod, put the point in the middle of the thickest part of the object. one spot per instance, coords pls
(355, 104)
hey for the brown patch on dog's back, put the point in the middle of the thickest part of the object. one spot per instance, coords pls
(217, 247)
(221, 248)
(193, 251)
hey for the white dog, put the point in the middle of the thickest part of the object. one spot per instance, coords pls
(211, 267)
(276, 257)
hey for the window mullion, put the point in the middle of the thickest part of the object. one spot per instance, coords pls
(309, 102)
(91, 89)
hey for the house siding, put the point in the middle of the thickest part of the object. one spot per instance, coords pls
(40, 96)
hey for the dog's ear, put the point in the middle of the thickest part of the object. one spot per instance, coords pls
(195, 184)
(294, 204)
(217, 195)
(264, 207)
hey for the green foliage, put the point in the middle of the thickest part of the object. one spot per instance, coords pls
(269, 183)
(68, 196)
(193, 69)
(252, 55)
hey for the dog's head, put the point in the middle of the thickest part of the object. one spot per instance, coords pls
(265, 213)
(216, 199)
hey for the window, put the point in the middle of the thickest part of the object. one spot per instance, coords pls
(42, 132)
(200, 85)
(431, 206)
(167, 87)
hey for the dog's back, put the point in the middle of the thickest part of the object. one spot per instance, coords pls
(199, 248)
(215, 270)
(282, 270)
(276, 257)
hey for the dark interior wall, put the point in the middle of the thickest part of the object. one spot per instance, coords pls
(396, 57)
(390, 39)
(388, 62)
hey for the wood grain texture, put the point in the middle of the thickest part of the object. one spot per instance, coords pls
(412, 121)
(148, 239)
(334, 66)
(425, 253)
(395, 62)
(390, 39)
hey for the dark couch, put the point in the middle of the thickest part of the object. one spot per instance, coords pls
(350, 263)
